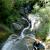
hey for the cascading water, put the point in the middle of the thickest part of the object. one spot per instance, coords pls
(14, 43)
(22, 33)
(35, 21)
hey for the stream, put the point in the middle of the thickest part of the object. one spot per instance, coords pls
(23, 42)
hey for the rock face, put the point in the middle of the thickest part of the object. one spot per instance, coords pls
(17, 26)
(17, 44)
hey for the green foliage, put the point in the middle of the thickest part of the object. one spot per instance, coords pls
(4, 32)
(43, 31)
(5, 35)
(4, 10)
(8, 4)
(19, 3)
(12, 18)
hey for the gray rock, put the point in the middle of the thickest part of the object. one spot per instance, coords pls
(14, 44)
(16, 26)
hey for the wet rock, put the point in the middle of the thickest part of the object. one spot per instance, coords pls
(22, 11)
(14, 44)
(17, 26)
(26, 10)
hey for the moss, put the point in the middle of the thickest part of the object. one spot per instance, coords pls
(3, 36)
(8, 4)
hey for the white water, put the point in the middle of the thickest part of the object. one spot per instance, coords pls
(22, 33)
(35, 21)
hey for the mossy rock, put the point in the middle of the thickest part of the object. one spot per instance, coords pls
(4, 35)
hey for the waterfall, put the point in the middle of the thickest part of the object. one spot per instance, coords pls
(35, 21)
(22, 33)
